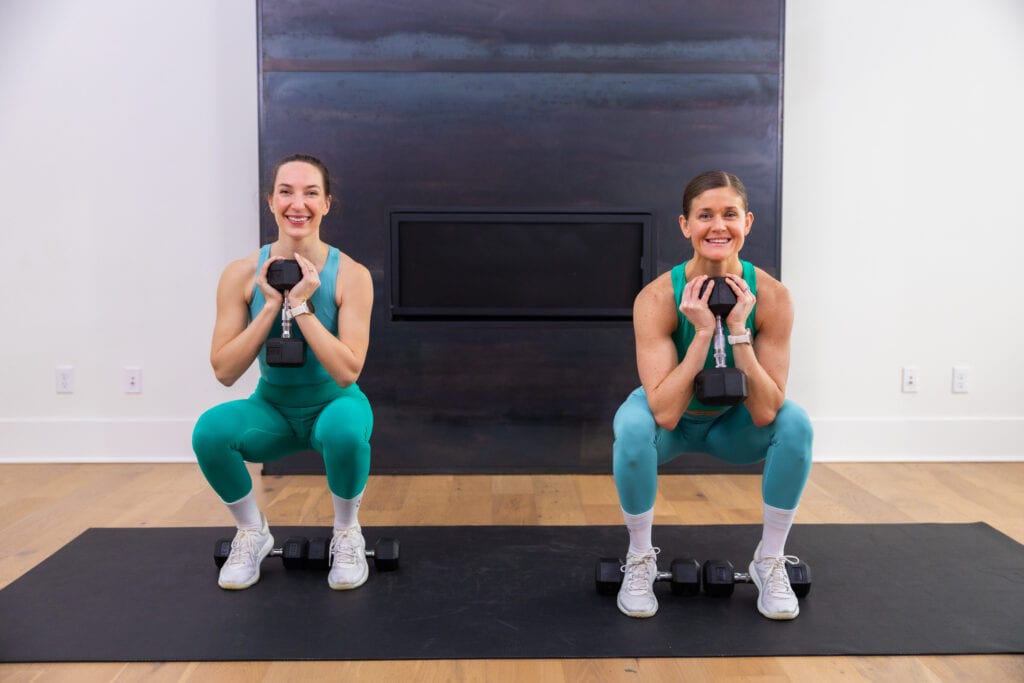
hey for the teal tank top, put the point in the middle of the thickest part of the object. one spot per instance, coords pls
(685, 330)
(312, 372)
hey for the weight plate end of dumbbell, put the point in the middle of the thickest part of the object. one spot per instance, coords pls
(294, 551)
(318, 556)
(799, 578)
(718, 578)
(608, 575)
(221, 550)
(685, 576)
(385, 554)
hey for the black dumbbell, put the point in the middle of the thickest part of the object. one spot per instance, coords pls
(284, 274)
(315, 553)
(720, 385)
(719, 578)
(384, 553)
(684, 576)
(285, 351)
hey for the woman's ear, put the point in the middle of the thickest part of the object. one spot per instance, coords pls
(686, 230)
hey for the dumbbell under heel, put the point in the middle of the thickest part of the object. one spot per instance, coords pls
(684, 576)
(299, 552)
(719, 578)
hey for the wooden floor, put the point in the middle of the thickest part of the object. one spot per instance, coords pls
(42, 507)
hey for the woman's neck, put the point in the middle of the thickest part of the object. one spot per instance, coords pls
(311, 248)
(702, 266)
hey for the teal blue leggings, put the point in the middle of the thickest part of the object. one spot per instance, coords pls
(276, 421)
(641, 445)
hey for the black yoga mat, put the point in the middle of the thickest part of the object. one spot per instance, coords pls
(515, 592)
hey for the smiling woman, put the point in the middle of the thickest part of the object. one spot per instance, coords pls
(680, 335)
(314, 403)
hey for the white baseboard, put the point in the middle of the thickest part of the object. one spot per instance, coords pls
(932, 439)
(43, 440)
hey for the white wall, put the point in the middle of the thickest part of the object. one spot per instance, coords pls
(902, 227)
(128, 140)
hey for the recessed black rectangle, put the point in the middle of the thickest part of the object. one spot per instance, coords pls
(457, 265)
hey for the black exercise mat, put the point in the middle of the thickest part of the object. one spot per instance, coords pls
(515, 592)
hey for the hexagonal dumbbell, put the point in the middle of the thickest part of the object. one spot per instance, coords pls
(299, 552)
(384, 553)
(684, 576)
(720, 385)
(292, 553)
(285, 351)
(719, 578)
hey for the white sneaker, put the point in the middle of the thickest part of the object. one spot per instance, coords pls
(636, 596)
(348, 560)
(775, 599)
(242, 568)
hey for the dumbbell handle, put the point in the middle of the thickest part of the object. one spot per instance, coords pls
(286, 322)
(719, 343)
(279, 552)
(737, 577)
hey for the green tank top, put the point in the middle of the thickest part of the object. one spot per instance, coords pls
(312, 372)
(685, 331)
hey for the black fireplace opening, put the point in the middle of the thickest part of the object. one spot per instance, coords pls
(517, 266)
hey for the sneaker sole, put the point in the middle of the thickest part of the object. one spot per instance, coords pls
(350, 586)
(242, 586)
(636, 615)
(777, 616)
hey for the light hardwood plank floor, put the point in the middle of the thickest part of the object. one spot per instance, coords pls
(42, 507)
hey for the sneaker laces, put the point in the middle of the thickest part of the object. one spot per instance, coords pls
(243, 547)
(638, 571)
(345, 547)
(777, 583)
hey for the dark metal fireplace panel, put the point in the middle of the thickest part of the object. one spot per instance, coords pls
(546, 117)
(505, 266)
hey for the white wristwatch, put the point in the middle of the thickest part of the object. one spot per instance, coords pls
(745, 338)
(303, 308)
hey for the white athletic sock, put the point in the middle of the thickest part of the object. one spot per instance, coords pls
(246, 513)
(346, 511)
(777, 523)
(639, 527)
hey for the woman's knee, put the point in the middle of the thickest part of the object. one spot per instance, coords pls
(793, 423)
(214, 433)
(342, 440)
(793, 429)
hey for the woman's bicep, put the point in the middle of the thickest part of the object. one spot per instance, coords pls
(355, 311)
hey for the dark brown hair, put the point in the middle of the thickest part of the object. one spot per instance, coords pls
(711, 180)
(305, 158)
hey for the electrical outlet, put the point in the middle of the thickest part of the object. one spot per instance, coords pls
(64, 379)
(133, 380)
(909, 380)
(959, 379)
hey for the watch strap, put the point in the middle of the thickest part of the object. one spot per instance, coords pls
(303, 308)
(745, 338)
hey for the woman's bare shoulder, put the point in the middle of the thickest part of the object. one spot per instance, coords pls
(241, 271)
(773, 300)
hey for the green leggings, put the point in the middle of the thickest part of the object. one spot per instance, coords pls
(641, 445)
(276, 421)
